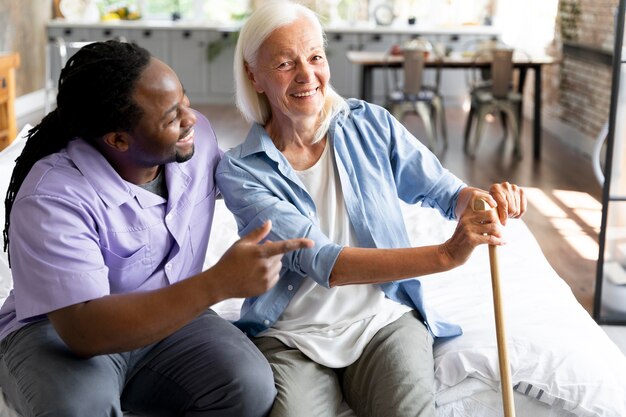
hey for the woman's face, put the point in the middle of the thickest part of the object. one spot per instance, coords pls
(292, 71)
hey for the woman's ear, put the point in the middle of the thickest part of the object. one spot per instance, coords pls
(252, 79)
(117, 140)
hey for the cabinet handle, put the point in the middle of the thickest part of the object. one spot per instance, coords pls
(4, 83)
(106, 32)
(186, 34)
(67, 31)
(225, 35)
(338, 37)
(147, 33)
(376, 38)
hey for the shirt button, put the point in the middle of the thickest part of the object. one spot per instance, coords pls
(290, 287)
(266, 322)
(168, 267)
(311, 213)
(168, 217)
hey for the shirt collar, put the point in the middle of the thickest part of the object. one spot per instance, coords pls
(258, 141)
(113, 190)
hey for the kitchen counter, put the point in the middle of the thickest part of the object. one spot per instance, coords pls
(366, 28)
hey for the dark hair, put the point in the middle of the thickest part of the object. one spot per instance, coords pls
(94, 98)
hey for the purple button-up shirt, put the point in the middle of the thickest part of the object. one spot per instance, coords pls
(80, 232)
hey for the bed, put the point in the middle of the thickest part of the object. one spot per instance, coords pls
(562, 363)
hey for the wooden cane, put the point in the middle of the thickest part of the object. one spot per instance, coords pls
(503, 357)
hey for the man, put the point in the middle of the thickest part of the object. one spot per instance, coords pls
(108, 217)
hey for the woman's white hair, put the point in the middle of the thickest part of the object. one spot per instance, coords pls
(266, 19)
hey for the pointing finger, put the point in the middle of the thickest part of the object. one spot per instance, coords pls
(284, 246)
(258, 234)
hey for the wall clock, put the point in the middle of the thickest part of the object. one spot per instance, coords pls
(383, 15)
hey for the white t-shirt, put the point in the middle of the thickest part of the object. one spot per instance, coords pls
(332, 326)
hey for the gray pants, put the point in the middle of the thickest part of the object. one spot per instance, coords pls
(394, 377)
(207, 368)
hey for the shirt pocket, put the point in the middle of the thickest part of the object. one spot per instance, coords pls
(127, 263)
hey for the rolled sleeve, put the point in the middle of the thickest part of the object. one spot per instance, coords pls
(254, 198)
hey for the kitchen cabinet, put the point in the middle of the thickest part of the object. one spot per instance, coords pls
(202, 54)
(155, 41)
(343, 75)
(220, 56)
(188, 58)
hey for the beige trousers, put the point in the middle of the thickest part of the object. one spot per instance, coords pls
(394, 377)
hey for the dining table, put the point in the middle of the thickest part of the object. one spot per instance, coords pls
(368, 61)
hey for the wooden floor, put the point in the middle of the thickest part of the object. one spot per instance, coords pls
(564, 198)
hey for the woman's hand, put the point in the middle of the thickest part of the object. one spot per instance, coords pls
(483, 227)
(474, 227)
(510, 199)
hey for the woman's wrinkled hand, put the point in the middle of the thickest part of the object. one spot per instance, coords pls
(510, 200)
(474, 227)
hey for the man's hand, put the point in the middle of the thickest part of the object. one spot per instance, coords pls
(249, 268)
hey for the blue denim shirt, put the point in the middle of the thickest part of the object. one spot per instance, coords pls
(379, 162)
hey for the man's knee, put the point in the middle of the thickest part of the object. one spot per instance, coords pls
(249, 386)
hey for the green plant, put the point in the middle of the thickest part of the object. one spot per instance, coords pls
(217, 46)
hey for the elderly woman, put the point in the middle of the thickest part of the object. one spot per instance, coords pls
(346, 319)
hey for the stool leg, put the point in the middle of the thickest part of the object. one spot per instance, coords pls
(468, 127)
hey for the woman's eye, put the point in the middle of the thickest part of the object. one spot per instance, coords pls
(284, 65)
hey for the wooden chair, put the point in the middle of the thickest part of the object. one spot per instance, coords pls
(411, 95)
(494, 96)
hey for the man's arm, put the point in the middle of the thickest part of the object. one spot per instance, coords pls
(122, 322)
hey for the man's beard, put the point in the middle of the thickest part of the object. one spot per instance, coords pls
(186, 157)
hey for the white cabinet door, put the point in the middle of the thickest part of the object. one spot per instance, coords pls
(63, 42)
(154, 40)
(188, 58)
(220, 56)
(105, 34)
(344, 76)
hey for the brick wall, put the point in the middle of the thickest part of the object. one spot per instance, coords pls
(578, 90)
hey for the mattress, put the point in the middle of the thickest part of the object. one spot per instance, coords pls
(562, 363)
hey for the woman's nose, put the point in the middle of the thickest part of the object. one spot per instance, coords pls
(305, 73)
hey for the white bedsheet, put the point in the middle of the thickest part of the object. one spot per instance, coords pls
(555, 348)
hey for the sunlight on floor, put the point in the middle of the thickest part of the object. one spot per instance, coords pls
(574, 215)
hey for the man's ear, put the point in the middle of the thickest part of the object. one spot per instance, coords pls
(252, 79)
(116, 140)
